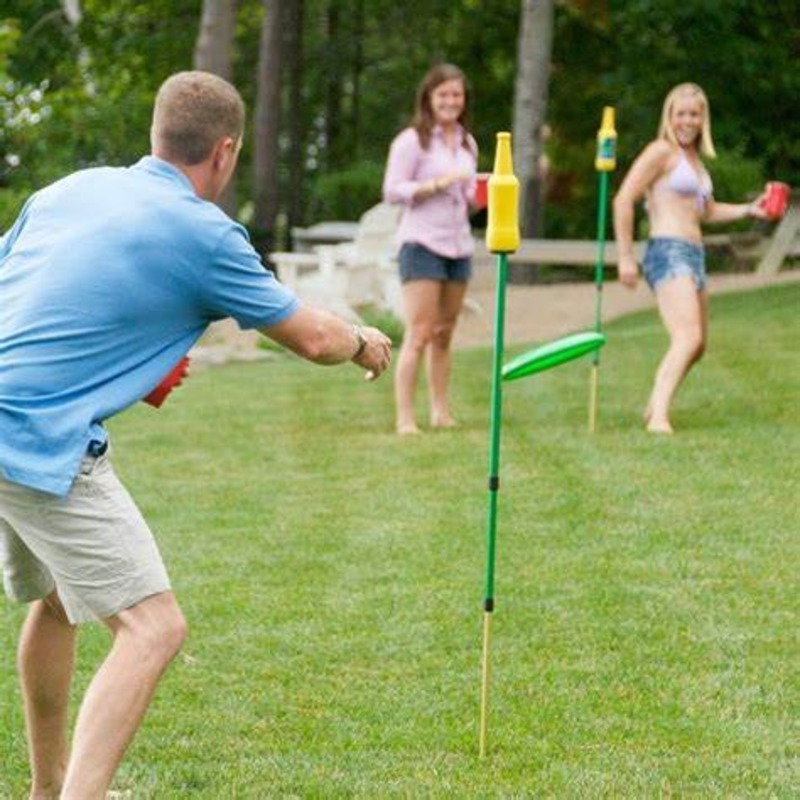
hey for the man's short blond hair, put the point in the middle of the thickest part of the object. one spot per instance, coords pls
(193, 111)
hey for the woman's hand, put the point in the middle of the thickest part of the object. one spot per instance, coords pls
(628, 270)
(454, 177)
(756, 208)
(443, 182)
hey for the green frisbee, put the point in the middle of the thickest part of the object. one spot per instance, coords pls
(552, 354)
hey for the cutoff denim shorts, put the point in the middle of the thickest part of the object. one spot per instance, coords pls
(419, 263)
(666, 258)
(93, 545)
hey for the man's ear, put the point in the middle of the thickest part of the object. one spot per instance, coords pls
(224, 150)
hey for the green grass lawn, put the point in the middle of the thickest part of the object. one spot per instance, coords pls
(645, 632)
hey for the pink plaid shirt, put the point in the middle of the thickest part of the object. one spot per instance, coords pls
(440, 222)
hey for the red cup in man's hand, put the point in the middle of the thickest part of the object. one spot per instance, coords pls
(776, 199)
(175, 378)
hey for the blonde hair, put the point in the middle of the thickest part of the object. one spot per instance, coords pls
(665, 131)
(193, 110)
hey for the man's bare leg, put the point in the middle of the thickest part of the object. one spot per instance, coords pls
(46, 659)
(146, 638)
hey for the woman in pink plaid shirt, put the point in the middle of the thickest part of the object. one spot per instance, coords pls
(431, 172)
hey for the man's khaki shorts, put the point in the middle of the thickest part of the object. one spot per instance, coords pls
(93, 545)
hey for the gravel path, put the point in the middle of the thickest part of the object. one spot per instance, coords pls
(537, 313)
(533, 313)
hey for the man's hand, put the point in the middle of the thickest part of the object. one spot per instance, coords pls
(173, 379)
(374, 351)
(323, 338)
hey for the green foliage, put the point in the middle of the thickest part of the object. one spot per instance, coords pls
(740, 52)
(386, 321)
(362, 61)
(9, 36)
(332, 576)
(98, 81)
(347, 194)
(21, 110)
(736, 177)
(11, 202)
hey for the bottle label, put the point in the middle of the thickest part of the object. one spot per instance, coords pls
(606, 148)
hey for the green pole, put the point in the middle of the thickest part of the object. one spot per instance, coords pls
(502, 238)
(495, 422)
(599, 266)
(494, 487)
(605, 162)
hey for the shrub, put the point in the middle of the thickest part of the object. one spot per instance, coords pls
(384, 320)
(346, 194)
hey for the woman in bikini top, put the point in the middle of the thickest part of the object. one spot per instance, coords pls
(685, 180)
(677, 190)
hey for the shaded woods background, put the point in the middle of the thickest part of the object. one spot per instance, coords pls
(77, 82)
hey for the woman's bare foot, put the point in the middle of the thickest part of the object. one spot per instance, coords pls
(654, 426)
(443, 421)
(407, 428)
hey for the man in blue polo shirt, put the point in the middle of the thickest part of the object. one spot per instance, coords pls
(107, 278)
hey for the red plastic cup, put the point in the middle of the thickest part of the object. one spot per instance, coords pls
(776, 200)
(481, 190)
(175, 378)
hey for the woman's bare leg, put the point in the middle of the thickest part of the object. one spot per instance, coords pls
(420, 304)
(684, 312)
(451, 299)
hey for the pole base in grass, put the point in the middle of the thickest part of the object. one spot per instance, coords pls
(552, 354)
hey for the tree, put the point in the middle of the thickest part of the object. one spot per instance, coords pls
(213, 52)
(267, 121)
(349, 70)
(534, 46)
(293, 56)
(72, 11)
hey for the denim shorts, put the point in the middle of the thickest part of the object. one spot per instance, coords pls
(419, 263)
(93, 545)
(666, 258)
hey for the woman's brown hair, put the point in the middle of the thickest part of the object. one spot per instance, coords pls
(423, 121)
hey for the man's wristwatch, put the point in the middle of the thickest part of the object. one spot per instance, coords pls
(362, 341)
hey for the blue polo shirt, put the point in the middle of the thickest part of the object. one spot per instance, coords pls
(107, 278)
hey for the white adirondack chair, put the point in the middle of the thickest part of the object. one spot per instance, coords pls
(342, 277)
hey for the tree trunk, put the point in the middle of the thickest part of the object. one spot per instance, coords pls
(213, 53)
(293, 57)
(333, 87)
(534, 48)
(267, 124)
(214, 46)
(72, 11)
(359, 27)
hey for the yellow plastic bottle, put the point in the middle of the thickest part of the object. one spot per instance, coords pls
(502, 224)
(606, 159)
